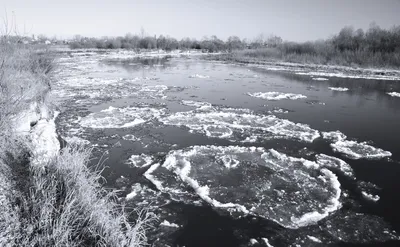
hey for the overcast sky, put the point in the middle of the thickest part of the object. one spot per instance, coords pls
(296, 20)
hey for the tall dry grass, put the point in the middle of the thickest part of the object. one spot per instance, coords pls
(62, 202)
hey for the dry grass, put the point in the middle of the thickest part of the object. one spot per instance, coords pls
(62, 202)
(24, 78)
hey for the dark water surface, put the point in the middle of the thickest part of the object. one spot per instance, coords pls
(88, 84)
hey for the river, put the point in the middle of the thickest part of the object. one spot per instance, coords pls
(233, 155)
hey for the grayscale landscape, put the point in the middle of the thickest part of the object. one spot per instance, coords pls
(195, 123)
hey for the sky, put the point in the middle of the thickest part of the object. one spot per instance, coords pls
(295, 20)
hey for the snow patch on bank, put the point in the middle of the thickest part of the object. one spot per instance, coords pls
(277, 96)
(44, 144)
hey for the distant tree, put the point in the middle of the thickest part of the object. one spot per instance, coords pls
(234, 43)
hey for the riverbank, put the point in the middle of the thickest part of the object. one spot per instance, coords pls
(258, 58)
(48, 195)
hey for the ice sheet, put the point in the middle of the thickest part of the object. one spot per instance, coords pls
(237, 126)
(356, 150)
(291, 191)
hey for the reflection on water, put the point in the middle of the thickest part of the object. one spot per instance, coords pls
(335, 147)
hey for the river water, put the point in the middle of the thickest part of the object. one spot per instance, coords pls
(233, 155)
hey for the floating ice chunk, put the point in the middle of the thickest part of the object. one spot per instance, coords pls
(240, 126)
(334, 136)
(130, 137)
(199, 76)
(394, 94)
(148, 174)
(355, 150)
(141, 160)
(120, 117)
(277, 95)
(266, 183)
(320, 79)
(156, 91)
(136, 188)
(370, 197)
(168, 224)
(341, 89)
(75, 139)
(266, 241)
(335, 163)
(314, 239)
(218, 131)
(198, 104)
(278, 110)
(253, 241)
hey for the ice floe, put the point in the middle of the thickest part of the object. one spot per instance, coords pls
(335, 163)
(340, 89)
(293, 192)
(120, 117)
(314, 239)
(353, 149)
(76, 140)
(198, 104)
(356, 150)
(370, 197)
(169, 224)
(277, 95)
(199, 76)
(320, 79)
(235, 125)
(253, 241)
(266, 241)
(394, 94)
(334, 136)
(141, 160)
(130, 137)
